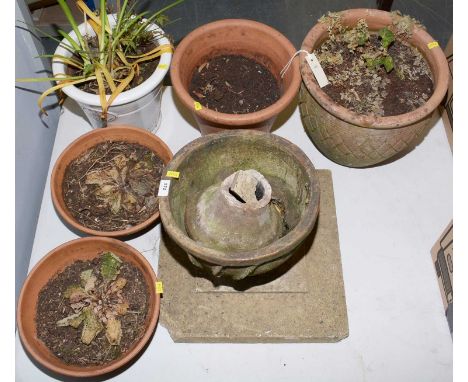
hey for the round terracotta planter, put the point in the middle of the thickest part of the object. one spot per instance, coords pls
(210, 159)
(356, 140)
(86, 141)
(235, 36)
(53, 263)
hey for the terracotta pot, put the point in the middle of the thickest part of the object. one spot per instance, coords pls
(208, 160)
(86, 141)
(357, 140)
(53, 263)
(232, 36)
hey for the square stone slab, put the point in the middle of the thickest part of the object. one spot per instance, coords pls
(304, 301)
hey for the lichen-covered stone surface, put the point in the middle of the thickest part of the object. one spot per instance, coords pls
(210, 160)
(315, 313)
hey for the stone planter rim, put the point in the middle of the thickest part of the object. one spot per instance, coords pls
(226, 118)
(275, 250)
(420, 39)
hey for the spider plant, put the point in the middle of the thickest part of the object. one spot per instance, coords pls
(110, 57)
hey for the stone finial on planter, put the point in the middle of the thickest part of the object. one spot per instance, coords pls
(236, 214)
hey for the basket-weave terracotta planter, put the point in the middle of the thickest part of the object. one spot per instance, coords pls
(357, 140)
(235, 36)
(55, 262)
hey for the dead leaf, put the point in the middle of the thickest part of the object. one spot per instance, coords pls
(123, 174)
(142, 186)
(73, 320)
(151, 201)
(97, 177)
(202, 66)
(117, 285)
(129, 201)
(88, 280)
(114, 174)
(77, 296)
(75, 293)
(105, 190)
(92, 327)
(70, 289)
(78, 306)
(121, 309)
(113, 331)
(114, 202)
(120, 161)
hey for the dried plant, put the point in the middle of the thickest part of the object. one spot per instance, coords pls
(125, 182)
(98, 302)
(366, 53)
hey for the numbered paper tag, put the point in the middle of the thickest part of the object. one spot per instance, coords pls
(159, 287)
(162, 66)
(197, 105)
(173, 174)
(432, 44)
(317, 69)
(164, 187)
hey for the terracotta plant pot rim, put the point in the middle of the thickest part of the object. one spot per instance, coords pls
(420, 39)
(226, 118)
(93, 370)
(275, 250)
(68, 217)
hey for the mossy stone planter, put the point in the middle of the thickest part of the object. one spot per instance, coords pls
(208, 161)
(356, 140)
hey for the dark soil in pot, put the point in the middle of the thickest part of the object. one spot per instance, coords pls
(234, 84)
(113, 186)
(374, 73)
(145, 69)
(92, 312)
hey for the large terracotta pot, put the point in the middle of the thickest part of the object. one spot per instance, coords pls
(54, 262)
(208, 160)
(86, 141)
(231, 36)
(357, 140)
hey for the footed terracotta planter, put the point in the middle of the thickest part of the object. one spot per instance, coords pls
(80, 145)
(235, 36)
(230, 239)
(54, 262)
(356, 140)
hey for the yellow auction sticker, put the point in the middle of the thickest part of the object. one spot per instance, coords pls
(197, 105)
(159, 287)
(173, 174)
(432, 44)
(162, 66)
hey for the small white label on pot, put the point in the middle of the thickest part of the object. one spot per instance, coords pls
(164, 187)
(317, 69)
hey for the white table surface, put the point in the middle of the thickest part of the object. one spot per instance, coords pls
(388, 219)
